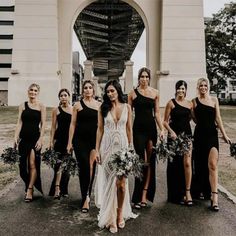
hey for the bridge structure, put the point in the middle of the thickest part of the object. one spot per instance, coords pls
(108, 31)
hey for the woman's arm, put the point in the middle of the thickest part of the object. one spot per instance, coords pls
(219, 121)
(192, 110)
(168, 109)
(53, 127)
(72, 127)
(130, 98)
(129, 126)
(39, 143)
(158, 116)
(100, 131)
(18, 126)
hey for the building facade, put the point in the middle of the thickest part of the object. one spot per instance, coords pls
(42, 46)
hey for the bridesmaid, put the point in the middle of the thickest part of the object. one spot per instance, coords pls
(29, 138)
(176, 121)
(61, 118)
(83, 128)
(206, 144)
(145, 101)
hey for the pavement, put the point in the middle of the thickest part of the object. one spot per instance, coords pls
(45, 216)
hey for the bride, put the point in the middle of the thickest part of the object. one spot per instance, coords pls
(113, 134)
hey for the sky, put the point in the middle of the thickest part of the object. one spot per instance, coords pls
(210, 7)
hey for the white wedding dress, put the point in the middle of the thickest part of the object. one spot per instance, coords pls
(114, 139)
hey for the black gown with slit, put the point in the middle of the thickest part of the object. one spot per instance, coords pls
(83, 142)
(29, 135)
(205, 138)
(144, 131)
(180, 117)
(61, 140)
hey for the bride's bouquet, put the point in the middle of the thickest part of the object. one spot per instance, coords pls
(233, 150)
(10, 156)
(126, 162)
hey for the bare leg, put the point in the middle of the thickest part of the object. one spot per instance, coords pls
(213, 174)
(147, 180)
(120, 183)
(57, 185)
(188, 175)
(33, 175)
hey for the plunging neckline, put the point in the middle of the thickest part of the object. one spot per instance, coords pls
(118, 120)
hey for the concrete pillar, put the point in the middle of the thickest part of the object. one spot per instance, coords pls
(128, 76)
(88, 66)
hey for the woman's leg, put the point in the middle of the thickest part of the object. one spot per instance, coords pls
(32, 174)
(213, 174)
(148, 154)
(120, 183)
(188, 175)
(57, 184)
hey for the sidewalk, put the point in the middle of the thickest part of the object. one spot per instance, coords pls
(45, 216)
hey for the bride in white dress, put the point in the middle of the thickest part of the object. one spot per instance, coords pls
(113, 134)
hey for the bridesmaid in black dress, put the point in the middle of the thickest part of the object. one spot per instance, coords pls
(61, 118)
(206, 145)
(28, 138)
(179, 170)
(82, 133)
(145, 101)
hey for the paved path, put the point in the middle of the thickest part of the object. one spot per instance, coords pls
(45, 216)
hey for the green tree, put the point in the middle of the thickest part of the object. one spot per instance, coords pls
(220, 35)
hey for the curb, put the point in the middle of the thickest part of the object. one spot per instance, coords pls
(229, 195)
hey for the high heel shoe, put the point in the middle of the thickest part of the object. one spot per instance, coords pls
(85, 209)
(120, 224)
(188, 202)
(214, 207)
(113, 229)
(57, 195)
(28, 199)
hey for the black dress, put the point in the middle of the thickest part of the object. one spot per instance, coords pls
(84, 141)
(61, 140)
(205, 138)
(144, 130)
(180, 117)
(29, 136)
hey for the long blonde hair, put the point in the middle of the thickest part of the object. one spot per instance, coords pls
(200, 80)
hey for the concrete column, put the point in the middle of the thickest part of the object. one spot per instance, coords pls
(88, 66)
(128, 76)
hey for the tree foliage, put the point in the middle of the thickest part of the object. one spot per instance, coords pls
(220, 33)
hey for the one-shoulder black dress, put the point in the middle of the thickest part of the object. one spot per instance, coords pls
(83, 142)
(205, 138)
(180, 117)
(144, 130)
(61, 140)
(29, 136)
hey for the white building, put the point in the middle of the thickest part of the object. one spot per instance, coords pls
(42, 45)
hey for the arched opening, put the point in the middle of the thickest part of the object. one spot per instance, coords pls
(109, 33)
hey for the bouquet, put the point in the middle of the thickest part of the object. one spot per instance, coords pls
(181, 145)
(233, 150)
(10, 156)
(50, 157)
(126, 162)
(69, 165)
(163, 152)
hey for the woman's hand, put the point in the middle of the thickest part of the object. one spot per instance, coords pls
(161, 135)
(227, 139)
(173, 135)
(16, 142)
(39, 144)
(98, 158)
(69, 148)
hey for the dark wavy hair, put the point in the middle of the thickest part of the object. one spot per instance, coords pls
(107, 105)
(180, 83)
(144, 69)
(63, 90)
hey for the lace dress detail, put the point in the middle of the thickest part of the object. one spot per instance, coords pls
(114, 139)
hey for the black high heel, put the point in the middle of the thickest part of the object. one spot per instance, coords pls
(85, 209)
(27, 199)
(214, 207)
(188, 202)
(57, 196)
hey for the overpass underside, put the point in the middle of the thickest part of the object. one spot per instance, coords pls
(108, 31)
